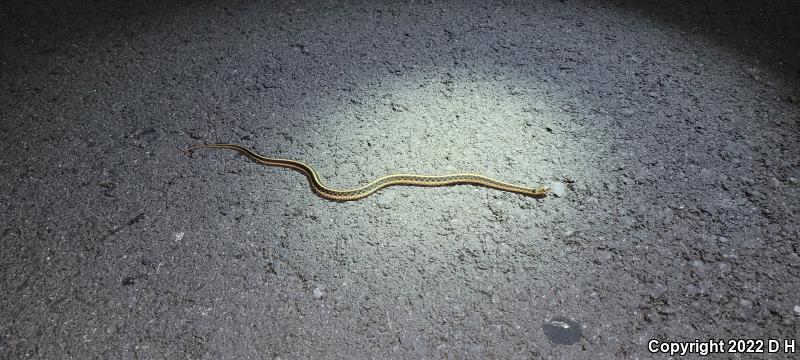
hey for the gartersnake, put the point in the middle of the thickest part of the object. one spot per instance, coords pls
(390, 180)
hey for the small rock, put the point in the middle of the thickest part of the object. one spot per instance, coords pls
(318, 293)
(666, 310)
(774, 308)
(604, 256)
(775, 182)
(627, 221)
(651, 316)
(131, 280)
(106, 183)
(136, 218)
(746, 303)
(793, 180)
(658, 291)
(147, 260)
(755, 194)
(729, 253)
(774, 228)
(612, 187)
(227, 210)
(149, 132)
(384, 201)
(558, 188)
(562, 331)
(568, 233)
(797, 310)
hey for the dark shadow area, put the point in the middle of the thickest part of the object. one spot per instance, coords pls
(768, 32)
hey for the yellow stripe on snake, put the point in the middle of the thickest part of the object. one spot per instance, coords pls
(390, 180)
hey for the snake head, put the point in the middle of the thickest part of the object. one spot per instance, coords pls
(542, 190)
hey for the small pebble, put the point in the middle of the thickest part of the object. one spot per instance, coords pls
(612, 187)
(773, 228)
(318, 293)
(604, 256)
(797, 310)
(558, 188)
(627, 221)
(666, 310)
(384, 201)
(562, 331)
(658, 291)
(147, 260)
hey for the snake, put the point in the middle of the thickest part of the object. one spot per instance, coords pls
(319, 187)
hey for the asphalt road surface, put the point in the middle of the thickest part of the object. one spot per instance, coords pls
(668, 133)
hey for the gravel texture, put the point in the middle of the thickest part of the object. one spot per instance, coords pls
(669, 133)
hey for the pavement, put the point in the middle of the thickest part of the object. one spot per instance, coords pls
(668, 133)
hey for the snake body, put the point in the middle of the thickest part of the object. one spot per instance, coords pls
(390, 180)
